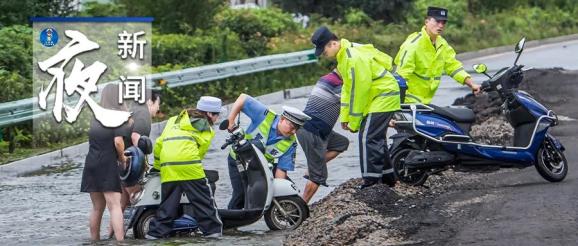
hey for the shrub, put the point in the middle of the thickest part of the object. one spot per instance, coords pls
(255, 26)
(204, 48)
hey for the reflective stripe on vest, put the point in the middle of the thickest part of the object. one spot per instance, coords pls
(261, 133)
(427, 78)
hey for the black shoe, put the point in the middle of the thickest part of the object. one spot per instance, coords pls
(389, 181)
(367, 183)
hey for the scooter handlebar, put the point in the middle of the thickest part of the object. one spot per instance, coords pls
(485, 86)
(227, 143)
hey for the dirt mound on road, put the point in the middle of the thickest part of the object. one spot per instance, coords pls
(384, 216)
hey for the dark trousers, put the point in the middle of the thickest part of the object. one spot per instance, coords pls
(200, 196)
(238, 197)
(374, 156)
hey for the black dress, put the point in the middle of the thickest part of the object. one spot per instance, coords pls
(101, 170)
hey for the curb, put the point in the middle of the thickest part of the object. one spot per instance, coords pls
(509, 48)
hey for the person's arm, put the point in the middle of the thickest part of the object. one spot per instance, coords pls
(119, 146)
(475, 87)
(119, 134)
(345, 96)
(286, 162)
(383, 59)
(236, 109)
(360, 75)
(455, 69)
(280, 174)
(134, 137)
(159, 144)
(157, 153)
(255, 110)
(405, 61)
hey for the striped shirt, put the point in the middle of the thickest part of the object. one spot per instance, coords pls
(323, 105)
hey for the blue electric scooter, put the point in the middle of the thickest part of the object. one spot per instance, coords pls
(431, 139)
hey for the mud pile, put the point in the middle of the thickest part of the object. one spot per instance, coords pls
(490, 126)
(384, 216)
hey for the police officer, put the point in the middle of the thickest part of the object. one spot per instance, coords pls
(369, 97)
(425, 55)
(179, 151)
(275, 132)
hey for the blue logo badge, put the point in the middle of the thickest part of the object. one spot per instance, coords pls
(49, 37)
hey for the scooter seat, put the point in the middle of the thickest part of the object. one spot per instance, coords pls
(212, 175)
(463, 115)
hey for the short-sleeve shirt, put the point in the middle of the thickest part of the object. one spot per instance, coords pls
(257, 111)
(141, 121)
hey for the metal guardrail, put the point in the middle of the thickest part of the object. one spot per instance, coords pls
(23, 110)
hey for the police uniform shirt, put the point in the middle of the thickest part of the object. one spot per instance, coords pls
(257, 111)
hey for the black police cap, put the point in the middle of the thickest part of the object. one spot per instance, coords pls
(320, 38)
(437, 13)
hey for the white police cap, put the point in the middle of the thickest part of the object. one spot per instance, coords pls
(209, 104)
(295, 115)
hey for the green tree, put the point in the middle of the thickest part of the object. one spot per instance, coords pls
(494, 6)
(16, 50)
(103, 9)
(19, 11)
(388, 11)
(176, 16)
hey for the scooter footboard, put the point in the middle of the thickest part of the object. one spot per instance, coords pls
(239, 217)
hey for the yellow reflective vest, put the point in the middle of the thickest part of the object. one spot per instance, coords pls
(274, 151)
(368, 86)
(159, 143)
(181, 147)
(422, 65)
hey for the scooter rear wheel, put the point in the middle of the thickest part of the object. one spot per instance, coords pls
(296, 211)
(551, 163)
(413, 177)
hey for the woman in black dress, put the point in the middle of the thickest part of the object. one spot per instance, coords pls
(104, 160)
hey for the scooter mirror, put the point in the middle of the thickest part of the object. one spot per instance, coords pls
(224, 125)
(480, 68)
(520, 45)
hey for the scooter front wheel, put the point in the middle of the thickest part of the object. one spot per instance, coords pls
(406, 175)
(286, 213)
(551, 163)
(141, 227)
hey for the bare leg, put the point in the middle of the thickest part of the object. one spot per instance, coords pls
(330, 155)
(98, 205)
(116, 218)
(311, 187)
(124, 202)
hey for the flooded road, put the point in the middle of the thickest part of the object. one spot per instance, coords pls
(47, 206)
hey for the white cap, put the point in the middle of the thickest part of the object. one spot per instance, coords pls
(209, 104)
(295, 115)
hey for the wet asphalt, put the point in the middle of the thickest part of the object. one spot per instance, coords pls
(49, 208)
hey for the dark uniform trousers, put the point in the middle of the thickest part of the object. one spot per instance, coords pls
(374, 156)
(200, 196)
(238, 197)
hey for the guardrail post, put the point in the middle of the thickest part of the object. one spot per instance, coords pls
(286, 94)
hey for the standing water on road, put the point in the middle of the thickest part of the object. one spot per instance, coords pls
(48, 206)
